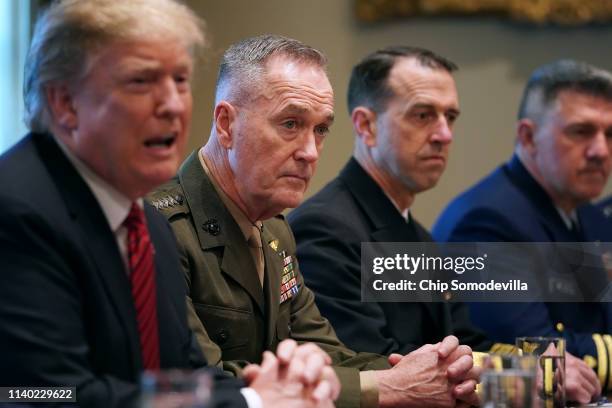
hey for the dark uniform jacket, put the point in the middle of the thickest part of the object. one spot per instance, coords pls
(329, 229)
(235, 320)
(606, 207)
(509, 205)
(66, 312)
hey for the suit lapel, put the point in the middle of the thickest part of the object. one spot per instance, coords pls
(590, 279)
(96, 237)
(547, 214)
(207, 209)
(388, 225)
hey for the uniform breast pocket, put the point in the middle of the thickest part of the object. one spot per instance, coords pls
(229, 328)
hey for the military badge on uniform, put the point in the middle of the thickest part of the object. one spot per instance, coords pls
(289, 286)
(274, 244)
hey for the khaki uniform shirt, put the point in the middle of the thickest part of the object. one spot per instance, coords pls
(235, 318)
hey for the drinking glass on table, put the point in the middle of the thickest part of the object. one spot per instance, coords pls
(509, 381)
(550, 375)
(175, 389)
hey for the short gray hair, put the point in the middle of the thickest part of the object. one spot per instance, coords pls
(243, 63)
(69, 31)
(547, 81)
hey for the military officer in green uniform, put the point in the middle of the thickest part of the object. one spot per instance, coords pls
(273, 110)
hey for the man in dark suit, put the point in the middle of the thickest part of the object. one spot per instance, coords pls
(561, 162)
(273, 109)
(91, 290)
(403, 105)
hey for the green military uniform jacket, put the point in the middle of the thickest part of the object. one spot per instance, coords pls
(234, 319)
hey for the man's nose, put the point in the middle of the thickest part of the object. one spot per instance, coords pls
(171, 99)
(309, 149)
(599, 148)
(442, 133)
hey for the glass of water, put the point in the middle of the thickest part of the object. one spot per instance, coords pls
(550, 375)
(175, 389)
(509, 381)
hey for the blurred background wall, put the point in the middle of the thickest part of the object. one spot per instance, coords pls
(495, 58)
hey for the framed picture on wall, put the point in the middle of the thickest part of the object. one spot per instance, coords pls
(561, 12)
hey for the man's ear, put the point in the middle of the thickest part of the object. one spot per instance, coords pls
(61, 104)
(364, 125)
(225, 116)
(525, 135)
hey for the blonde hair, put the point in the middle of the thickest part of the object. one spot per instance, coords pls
(70, 31)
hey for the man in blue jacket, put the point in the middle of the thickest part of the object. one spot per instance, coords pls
(561, 162)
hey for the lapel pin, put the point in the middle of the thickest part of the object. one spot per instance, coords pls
(273, 244)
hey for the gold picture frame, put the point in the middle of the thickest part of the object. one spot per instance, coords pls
(562, 12)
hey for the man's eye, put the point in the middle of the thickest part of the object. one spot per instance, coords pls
(182, 82)
(290, 124)
(582, 131)
(322, 130)
(140, 82)
(423, 116)
(181, 79)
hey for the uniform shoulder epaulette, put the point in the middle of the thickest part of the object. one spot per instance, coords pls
(602, 364)
(504, 348)
(169, 199)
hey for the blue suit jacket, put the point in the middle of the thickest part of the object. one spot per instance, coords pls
(509, 205)
(66, 311)
(329, 229)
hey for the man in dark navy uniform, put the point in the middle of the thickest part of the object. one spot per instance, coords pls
(403, 105)
(561, 162)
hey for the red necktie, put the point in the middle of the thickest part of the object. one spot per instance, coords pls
(142, 277)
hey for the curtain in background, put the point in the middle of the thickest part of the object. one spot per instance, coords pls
(14, 41)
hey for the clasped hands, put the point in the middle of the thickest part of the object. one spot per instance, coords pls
(296, 376)
(435, 375)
